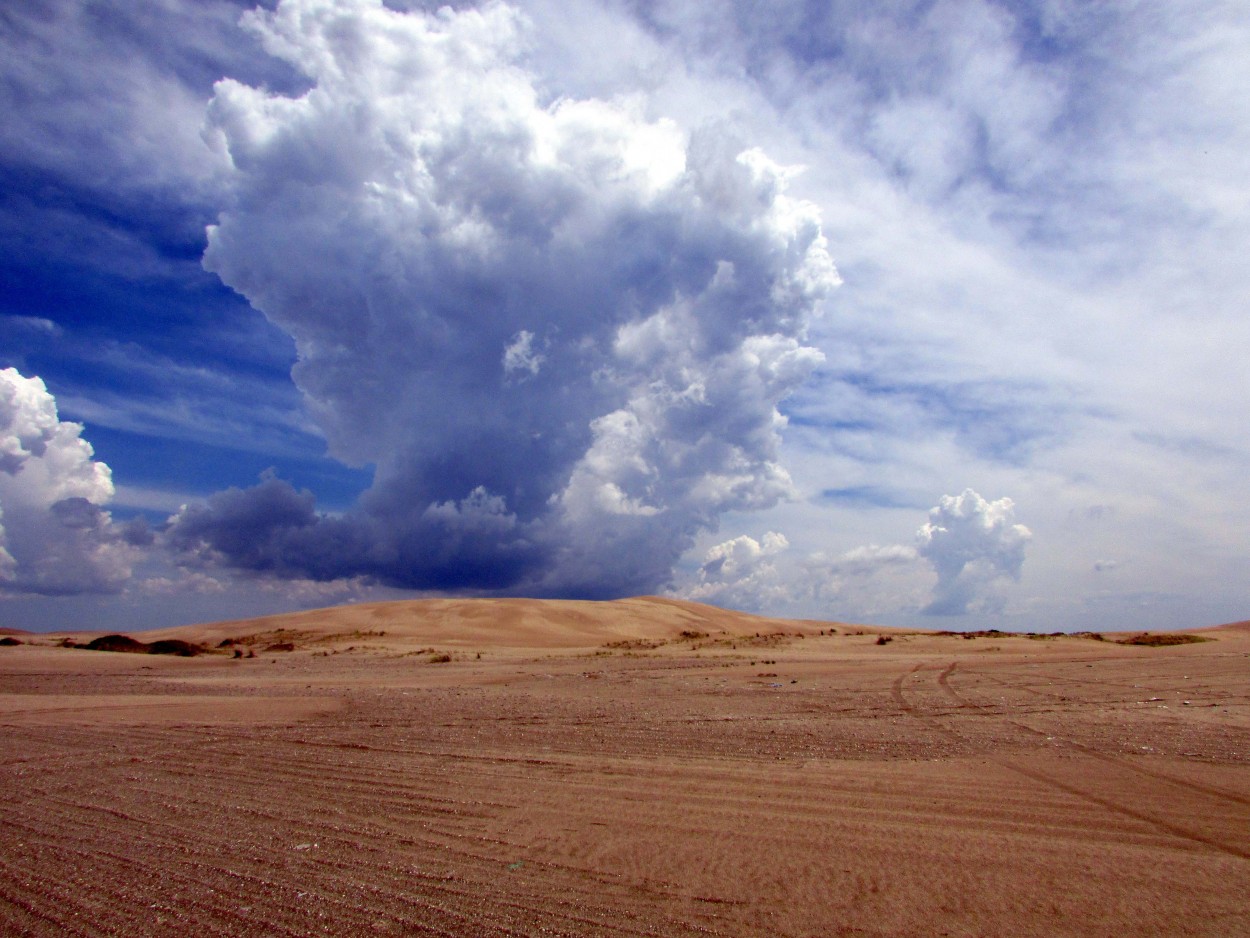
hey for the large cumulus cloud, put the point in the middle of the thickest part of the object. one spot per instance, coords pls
(558, 329)
(55, 536)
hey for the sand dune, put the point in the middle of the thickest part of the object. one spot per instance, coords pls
(649, 767)
(498, 623)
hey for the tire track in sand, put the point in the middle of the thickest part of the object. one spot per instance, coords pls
(1119, 761)
(936, 721)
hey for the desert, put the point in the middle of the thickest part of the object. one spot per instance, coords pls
(637, 767)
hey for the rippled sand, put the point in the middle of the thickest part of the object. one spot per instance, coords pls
(587, 769)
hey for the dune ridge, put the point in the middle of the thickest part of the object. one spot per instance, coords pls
(500, 623)
(523, 623)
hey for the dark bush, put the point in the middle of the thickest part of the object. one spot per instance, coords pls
(116, 643)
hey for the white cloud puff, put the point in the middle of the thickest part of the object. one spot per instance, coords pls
(55, 537)
(971, 543)
(424, 206)
(740, 572)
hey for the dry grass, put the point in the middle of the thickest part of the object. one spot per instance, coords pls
(1161, 639)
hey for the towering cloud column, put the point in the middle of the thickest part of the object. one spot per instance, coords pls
(560, 330)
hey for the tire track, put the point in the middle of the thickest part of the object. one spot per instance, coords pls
(1210, 790)
(1176, 830)
(193, 854)
(442, 909)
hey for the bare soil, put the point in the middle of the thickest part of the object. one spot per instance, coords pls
(470, 768)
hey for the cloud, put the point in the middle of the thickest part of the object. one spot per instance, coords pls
(740, 573)
(55, 536)
(92, 79)
(521, 356)
(971, 543)
(863, 583)
(558, 329)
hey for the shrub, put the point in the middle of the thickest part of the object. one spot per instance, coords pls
(116, 643)
(1159, 640)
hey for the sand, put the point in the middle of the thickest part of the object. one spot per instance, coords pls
(585, 769)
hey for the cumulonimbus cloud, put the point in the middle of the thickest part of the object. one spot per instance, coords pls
(55, 536)
(558, 329)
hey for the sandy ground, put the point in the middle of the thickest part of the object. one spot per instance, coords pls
(595, 772)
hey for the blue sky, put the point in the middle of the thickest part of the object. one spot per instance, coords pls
(915, 313)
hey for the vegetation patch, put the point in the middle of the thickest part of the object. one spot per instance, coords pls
(128, 645)
(758, 640)
(1160, 639)
(344, 636)
(996, 633)
(122, 643)
(632, 644)
(9, 640)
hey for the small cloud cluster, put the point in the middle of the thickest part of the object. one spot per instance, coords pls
(558, 329)
(970, 543)
(55, 536)
(740, 572)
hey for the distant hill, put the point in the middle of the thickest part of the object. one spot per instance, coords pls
(480, 623)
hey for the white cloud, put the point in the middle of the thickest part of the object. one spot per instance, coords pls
(971, 543)
(424, 206)
(55, 537)
(185, 582)
(740, 573)
(520, 355)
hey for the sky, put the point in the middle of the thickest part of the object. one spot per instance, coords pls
(928, 314)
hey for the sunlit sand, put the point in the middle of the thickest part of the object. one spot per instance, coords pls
(474, 767)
